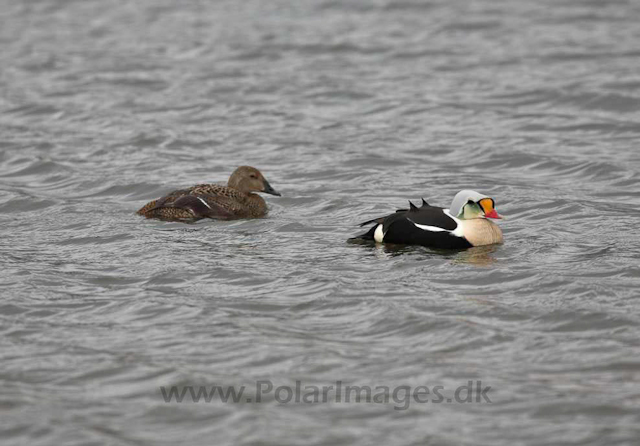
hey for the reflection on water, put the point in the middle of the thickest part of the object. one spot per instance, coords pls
(478, 256)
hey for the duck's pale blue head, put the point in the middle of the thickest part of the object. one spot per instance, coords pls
(468, 204)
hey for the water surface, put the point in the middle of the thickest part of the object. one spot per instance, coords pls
(349, 109)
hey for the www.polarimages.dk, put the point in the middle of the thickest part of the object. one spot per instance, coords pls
(401, 396)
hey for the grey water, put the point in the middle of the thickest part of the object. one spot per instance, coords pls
(349, 108)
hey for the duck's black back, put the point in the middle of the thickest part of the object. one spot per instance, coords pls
(400, 227)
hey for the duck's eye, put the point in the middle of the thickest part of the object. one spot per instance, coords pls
(253, 175)
(471, 202)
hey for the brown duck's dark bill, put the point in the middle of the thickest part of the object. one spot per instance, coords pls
(270, 190)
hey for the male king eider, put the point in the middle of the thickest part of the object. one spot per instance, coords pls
(463, 225)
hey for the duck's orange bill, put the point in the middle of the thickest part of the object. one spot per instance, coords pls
(487, 207)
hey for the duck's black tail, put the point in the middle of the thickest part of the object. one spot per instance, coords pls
(366, 236)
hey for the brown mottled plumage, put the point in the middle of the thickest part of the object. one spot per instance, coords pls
(235, 200)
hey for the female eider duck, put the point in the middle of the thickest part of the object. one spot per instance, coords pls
(463, 225)
(235, 200)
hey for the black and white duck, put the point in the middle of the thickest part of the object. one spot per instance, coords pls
(464, 225)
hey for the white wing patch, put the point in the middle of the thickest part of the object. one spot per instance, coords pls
(204, 202)
(458, 231)
(378, 235)
(428, 228)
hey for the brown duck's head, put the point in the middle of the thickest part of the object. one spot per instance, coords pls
(249, 179)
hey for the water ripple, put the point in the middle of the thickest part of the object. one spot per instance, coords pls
(350, 109)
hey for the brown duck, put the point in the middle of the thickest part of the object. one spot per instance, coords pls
(235, 200)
